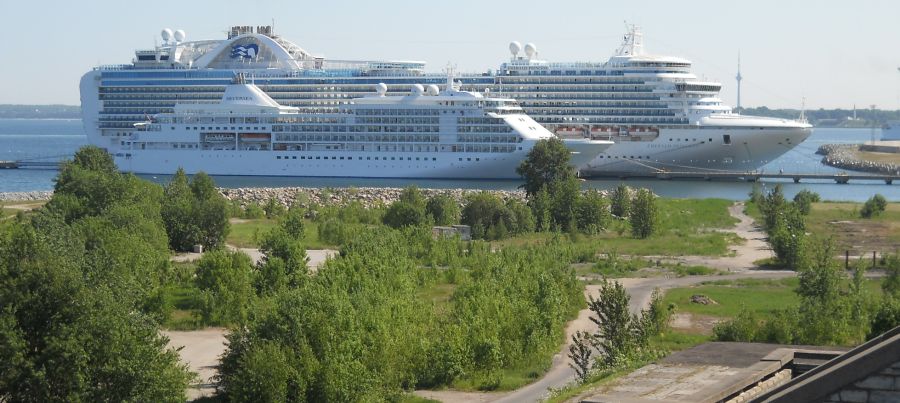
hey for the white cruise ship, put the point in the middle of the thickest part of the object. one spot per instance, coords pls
(426, 134)
(660, 116)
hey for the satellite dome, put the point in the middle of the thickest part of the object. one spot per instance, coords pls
(515, 47)
(432, 89)
(530, 50)
(418, 89)
(166, 34)
(381, 88)
(179, 35)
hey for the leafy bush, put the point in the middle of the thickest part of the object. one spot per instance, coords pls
(873, 207)
(274, 208)
(225, 281)
(644, 214)
(443, 210)
(804, 200)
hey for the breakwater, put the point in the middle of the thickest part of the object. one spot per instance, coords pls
(367, 196)
(844, 156)
(26, 196)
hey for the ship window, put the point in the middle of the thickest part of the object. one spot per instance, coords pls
(726, 138)
(295, 157)
(434, 159)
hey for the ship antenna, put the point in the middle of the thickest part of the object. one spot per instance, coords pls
(803, 110)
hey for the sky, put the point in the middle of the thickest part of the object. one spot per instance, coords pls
(833, 54)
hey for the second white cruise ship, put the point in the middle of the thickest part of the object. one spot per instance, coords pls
(428, 133)
(660, 116)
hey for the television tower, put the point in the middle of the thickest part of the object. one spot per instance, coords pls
(739, 78)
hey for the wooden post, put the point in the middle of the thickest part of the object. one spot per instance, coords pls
(846, 260)
(873, 259)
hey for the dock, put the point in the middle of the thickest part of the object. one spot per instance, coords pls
(30, 164)
(841, 177)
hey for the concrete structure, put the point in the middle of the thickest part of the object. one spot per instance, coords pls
(892, 147)
(868, 373)
(464, 231)
(714, 372)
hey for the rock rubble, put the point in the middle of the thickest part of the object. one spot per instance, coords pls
(841, 156)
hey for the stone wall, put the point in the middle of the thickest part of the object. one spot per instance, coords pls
(880, 387)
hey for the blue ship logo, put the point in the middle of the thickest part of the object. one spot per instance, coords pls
(244, 51)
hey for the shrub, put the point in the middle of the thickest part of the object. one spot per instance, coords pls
(644, 214)
(620, 201)
(874, 206)
(253, 211)
(274, 208)
(443, 210)
(804, 200)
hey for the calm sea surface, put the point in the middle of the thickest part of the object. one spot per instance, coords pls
(53, 139)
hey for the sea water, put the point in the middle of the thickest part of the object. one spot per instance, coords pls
(24, 139)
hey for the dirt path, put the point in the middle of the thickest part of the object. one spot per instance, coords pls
(200, 350)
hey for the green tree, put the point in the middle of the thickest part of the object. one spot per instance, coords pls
(194, 213)
(620, 201)
(408, 210)
(804, 200)
(443, 210)
(644, 214)
(546, 163)
(487, 215)
(225, 281)
(273, 208)
(66, 336)
(619, 333)
(541, 208)
(592, 212)
(565, 194)
(520, 216)
(873, 207)
(293, 223)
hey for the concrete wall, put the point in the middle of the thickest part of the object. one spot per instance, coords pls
(880, 387)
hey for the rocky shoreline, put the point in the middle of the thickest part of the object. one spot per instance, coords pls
(26, 196)
(367, 196)
(287, 196)
(842, 156)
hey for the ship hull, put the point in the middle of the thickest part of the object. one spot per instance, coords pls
(698, 149)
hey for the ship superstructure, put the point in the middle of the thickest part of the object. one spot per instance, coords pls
(658, 113)
(427, 133)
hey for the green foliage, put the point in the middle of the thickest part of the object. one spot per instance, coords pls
(492, 219)
(742, 328)
(620, 335)
(443, 210)
(292, 223)
(194, 213)
(273, 208)
(547, 162)
(506, 310)
(804, 200)
(225, 281)
(873, 207)
(541, 208)
(408, 210)
(81, 284)
(253, 211)
(620, 201)
(891, 284)
(644, 214)
(592, 213)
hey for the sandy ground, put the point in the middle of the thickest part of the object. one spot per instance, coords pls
(200, 349)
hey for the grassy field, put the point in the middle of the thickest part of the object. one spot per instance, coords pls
(183, 297)
(686, 227)
(889, 158)
(762, 297)
(851, 232)
(244, 233)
